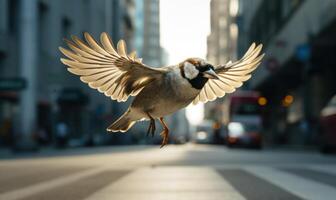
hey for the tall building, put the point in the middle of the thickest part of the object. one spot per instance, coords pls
(36, 91)
(221, 43)
(223, 37)
(298, 73)
(151, 51)
(147, 32)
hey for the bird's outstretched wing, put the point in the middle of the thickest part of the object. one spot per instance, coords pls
(231, 75)
(112, 72)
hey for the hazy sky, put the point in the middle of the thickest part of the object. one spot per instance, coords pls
(185, 25)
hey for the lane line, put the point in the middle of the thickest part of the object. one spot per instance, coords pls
(304, 188)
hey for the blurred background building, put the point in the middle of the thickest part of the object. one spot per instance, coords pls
(223, 37)
(298, 74)
(40, 100)
(151, 50)
(147, 42)
(221, 44)
(36, 93)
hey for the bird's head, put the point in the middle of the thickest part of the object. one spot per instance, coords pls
(197, 71)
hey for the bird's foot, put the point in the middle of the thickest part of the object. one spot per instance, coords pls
(165, 133)
(165, 137)
(151, 127)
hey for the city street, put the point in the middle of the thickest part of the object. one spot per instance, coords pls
(197, 172)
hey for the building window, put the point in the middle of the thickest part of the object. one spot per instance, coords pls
(271, 17)
(3, 16)
(66, 26)
(43, 25)
(13, 7)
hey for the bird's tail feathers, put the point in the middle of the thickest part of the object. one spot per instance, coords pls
(122, 124)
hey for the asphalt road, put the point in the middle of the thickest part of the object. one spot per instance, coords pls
(196, 172)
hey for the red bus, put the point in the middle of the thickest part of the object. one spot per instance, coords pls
(243, 119)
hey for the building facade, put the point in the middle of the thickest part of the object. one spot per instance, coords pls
(223, 37)
(221, 43)
(151, 51)
(36, 91)
(299, 42)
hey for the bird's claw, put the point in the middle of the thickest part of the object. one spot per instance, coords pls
(151, 128)
(165, 135)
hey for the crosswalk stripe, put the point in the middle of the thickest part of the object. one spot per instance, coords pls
(46, 185)
(330, 169)
(82, 188)
(315, 175)
(199, 183)
(304, 188)
(253, 187)
(176, 183)
(13, 178)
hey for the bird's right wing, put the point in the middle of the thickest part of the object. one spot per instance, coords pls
(111, 72)
(231, 75)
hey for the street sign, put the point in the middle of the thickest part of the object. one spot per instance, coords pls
(12, 84)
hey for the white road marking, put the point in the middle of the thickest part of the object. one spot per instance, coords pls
(330, 169)
(304, 188)
(163, 183)
(46, 185)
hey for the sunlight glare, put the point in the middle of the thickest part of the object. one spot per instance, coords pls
(184, 27)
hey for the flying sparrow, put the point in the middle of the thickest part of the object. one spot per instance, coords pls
(158, 91)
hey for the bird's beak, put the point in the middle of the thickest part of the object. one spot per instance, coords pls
(211, 74)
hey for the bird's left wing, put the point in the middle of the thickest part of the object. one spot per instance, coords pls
(231, 75)
(110, 71)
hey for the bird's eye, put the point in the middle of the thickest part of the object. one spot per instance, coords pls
(210, 67)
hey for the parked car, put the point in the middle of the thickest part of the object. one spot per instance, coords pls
(244, 134)
(204, 133)
(328, 127)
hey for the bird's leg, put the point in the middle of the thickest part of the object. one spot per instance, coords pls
(151, 128)
(164, 133)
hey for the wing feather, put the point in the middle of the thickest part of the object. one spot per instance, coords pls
(211, 93)
(231, 75)
(80, 52)
(86, 48)
(121, 47)
(110, 71)
(94, 45)
(132, 55)
(107, 44)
